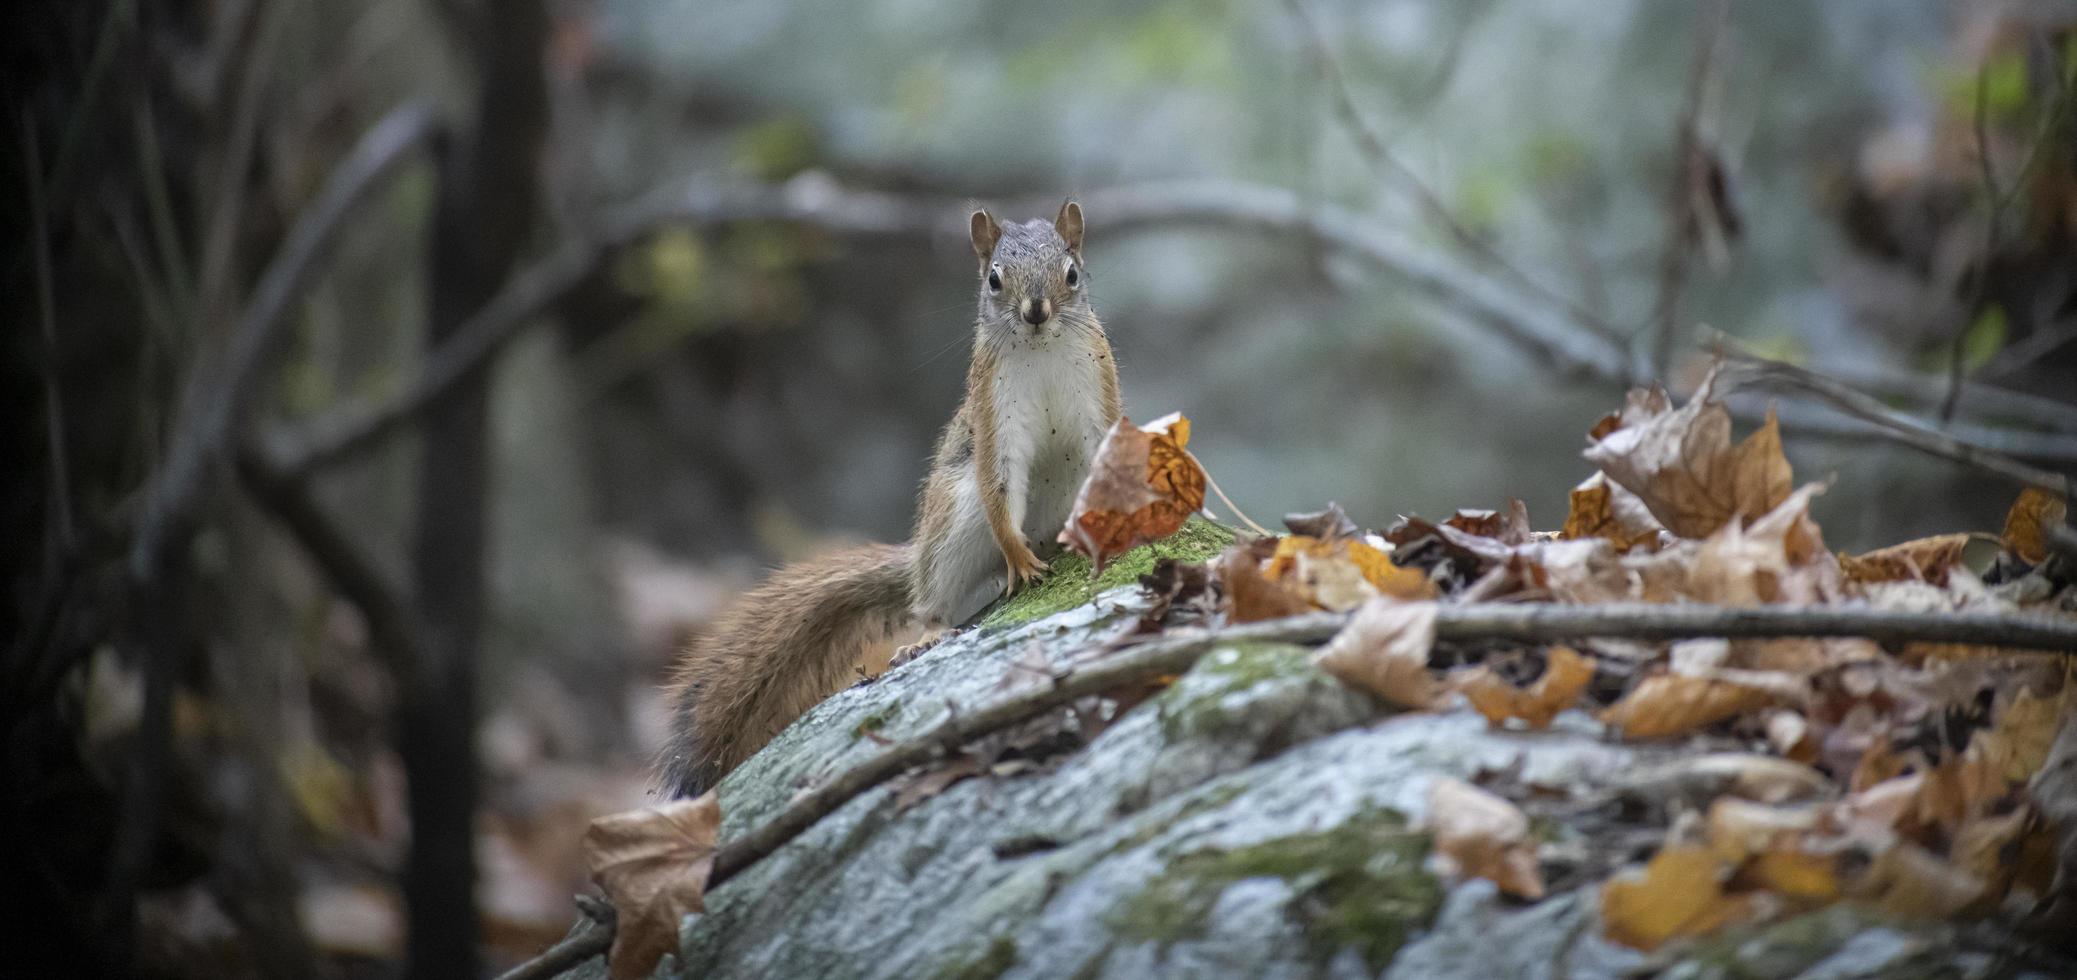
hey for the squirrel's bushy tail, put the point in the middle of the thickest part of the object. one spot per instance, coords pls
(783, 648)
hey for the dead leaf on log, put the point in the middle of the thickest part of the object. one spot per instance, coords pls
(1682, 464)
(1600, 509)
(2028, 522)
(1245, 594)
(1923, 560)
(1481, 835)
(1666, 705)
(1142, 486)
(653, 864)
(1679, 893)
(1511, 527)
(1384, 650)
(1565, 675)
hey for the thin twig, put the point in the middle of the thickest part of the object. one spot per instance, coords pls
(1228, 501)
(1980, 289)
(398, 638)
(1989, 401)
(564, 955)
(227, 204)
(53, 403)
(1823, 420)
(1382, 158)
(1546, 334)
(1680, 209)
(1902, 428)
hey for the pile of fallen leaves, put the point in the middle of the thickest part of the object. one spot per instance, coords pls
(1902, 777)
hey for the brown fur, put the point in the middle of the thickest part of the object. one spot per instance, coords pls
(795, 640)
(781, 650)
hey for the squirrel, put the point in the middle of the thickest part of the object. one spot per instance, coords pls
(1041, 392)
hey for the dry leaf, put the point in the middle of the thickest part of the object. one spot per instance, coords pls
(1680, 893)
(1340, 575)
(653, 864)
(2028, 522)
(1924, 560)
(1565, 675)
(1482, 835)
(1665, 705)
(1384, 650)
(1911, 882)
(1142, 486)
(1682, 464)
(923, 786)
(1509, 528)
(1389, 579)
(1246, 595)
(1600, 509)
(2017, 743)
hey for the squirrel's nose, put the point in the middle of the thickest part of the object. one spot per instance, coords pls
(1037, 311)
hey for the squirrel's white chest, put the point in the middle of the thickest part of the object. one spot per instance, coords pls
(1049, 403)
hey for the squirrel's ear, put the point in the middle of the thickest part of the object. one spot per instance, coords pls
(984, 232)
(1069, 225)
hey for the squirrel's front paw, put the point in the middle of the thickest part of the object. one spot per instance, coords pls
(1025, 568)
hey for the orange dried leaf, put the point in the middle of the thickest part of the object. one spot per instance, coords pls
(1600, 509)
(1142, 486)
(1924, 560)
(1384, 650)
(1680, 893)
(1673, 704)
(1247, 594)
(1565, 675)
(2028, 522)
(1482, 835)
(1682, 464)
(1388, 578)
(653, 864)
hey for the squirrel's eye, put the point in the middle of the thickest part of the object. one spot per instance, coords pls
(1074, 275)
(994, 281)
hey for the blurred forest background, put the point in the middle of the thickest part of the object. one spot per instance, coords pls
(393, 385)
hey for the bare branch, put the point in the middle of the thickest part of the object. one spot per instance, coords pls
(1680, 209)
(563, 955)
(398, 638)
(1547, 335)
(1382, 158)
(216, 401)
(1993, 203)
(1751, 368)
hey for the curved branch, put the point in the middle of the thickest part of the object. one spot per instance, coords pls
(1749, 369)
(218, 396)
(818, 203)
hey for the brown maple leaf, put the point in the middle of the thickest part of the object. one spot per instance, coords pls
(1142, 486)
(1482, 835)
(653, 864)
(1682, 464)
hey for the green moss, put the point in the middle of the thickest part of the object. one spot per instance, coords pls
(1204, 801)
(1067, 584)
(1196, 705)
(877, 721)
(994, 962)
(1357, 885)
